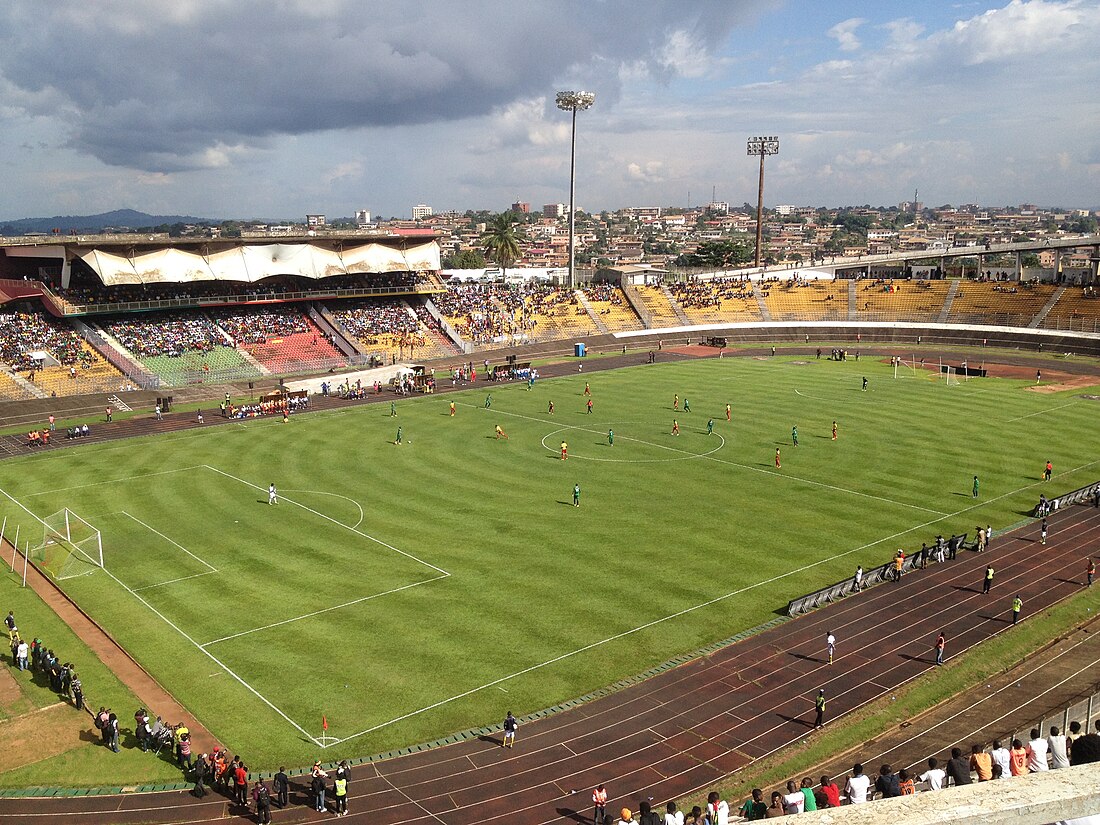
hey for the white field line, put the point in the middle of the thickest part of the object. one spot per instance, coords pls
(210, 568)
(173, 581)
(321, 611)
(362, 515)
(1041, 412)
(112, 481)
(176, 628)
(710, 457)
(685, 611)
(357, 532)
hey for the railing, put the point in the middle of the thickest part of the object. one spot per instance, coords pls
(71, 308)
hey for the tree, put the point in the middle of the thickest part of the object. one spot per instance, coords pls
(502, 241)
(466, 259)
(718, 255)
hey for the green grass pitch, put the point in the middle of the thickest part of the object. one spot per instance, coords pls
(409, 591)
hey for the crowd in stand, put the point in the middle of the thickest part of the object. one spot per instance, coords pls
(711, 293)
(370, 319)
(166, 333)
(284, 405)
(1054, 751)
(257, 325)
(22, 333)
(487, 312)
(90, 292)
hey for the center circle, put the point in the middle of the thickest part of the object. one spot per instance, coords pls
(582, 457)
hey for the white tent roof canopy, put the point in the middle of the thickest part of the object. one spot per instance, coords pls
(254, 262)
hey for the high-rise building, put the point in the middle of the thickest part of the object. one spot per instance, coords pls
(554, 210)
(316, 221)
(362, 217)
(422, 211)
(521, 207)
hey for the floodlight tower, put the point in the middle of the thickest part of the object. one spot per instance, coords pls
(761, 146)
(573, 102)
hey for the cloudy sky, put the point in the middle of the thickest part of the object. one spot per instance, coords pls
(241, 108)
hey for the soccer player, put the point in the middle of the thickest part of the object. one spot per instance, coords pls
(865, 383)
(974, 490)
(272, 494)
(488, 401)
(710, 426)
(1046, 473)
(500, 432)
(393, 410)
(729, 413)
(830, 645)
(398, 439)
(611, 438)
(589, 406)
(550, 408)
(834, 430)
(777, 464)
(576, 495)
(452, 409)
(687, 406)
(676, 402)
(794, 435)
(1043, 532)
(675, 427)
(510, 725)
(564, 451)
(587, 389)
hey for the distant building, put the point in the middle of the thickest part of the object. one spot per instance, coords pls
(521, 207)
(316, 221)
(362, 217)
(421, 211)
(554, 210)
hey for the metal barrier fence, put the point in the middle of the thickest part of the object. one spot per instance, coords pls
(1081, 495)
(1086, 711)
(876, 575)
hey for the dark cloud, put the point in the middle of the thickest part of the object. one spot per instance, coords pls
(165, 87)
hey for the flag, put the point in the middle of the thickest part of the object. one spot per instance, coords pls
(324, 722)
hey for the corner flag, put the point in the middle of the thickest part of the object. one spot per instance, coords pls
(324, 722)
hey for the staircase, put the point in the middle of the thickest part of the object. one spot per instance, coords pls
(948, 301)
(853, 301)
(765, 313)
(600, 325)
(677, 310)
(1047, 307)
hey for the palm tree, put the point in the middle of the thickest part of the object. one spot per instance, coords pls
(503, 240)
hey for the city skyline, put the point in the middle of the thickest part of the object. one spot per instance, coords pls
(339, 106)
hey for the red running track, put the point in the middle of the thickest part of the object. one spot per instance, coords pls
(681, 731)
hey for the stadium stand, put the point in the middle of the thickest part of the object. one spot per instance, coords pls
(551, 313)
(607, 301)
(389, 328)
(799, 300)
(281, 337)
(10, 390)
(656, 304)
(1078, 308)
(716, 301)
(901, 300)
(998, 303)
(79, 369)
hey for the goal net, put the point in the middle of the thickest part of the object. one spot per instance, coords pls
(950, 375)
(70, 546)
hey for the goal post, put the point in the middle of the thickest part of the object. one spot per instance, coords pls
(70, 546)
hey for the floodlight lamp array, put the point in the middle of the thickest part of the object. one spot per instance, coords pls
(574, 101)
(764, 145)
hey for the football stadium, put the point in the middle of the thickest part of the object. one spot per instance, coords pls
(486, 547)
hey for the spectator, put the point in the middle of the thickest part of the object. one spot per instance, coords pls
(905, 783)
(887, 783)
(753, 809)
(856, 786)
(1037, 753)
(981, 763)
(675, 817)
(776, 808)
(718, 810)
(934, 776)
(958, 767)
(794, 802)
(832, 792)
(1001, 757)
(646, 815)
(808, 792)
(1018, 758)
(1059, 749)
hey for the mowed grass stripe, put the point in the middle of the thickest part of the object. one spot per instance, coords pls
(533, 580)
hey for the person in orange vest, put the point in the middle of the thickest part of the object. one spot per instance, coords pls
(599, 801)
(899, 563)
